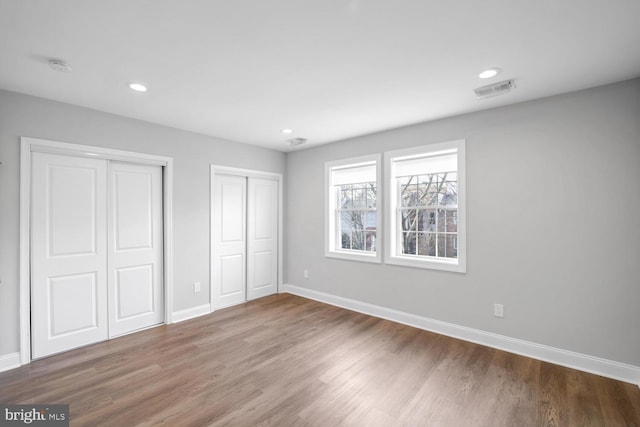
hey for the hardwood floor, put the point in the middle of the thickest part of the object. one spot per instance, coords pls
(288, 361)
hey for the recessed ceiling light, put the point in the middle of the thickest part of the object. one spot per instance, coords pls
(138, 87)
(489, 72)
(286, 130)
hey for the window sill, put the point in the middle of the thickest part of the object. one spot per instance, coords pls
(354, 256)
(456, 266)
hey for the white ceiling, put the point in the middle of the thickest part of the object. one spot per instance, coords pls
(329, 69)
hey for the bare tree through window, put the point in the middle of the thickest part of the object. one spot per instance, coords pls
(428, 214)
(356, 216)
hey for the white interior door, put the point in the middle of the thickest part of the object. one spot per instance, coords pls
(68, 253)
(229, 231)
(262, 238)
(135, 287)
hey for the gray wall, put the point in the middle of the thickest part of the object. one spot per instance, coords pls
(553, 200)
(553, 194)
(22, 115)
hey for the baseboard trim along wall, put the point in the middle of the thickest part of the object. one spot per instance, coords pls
(9, 361)
(190, 313)
(570, 359)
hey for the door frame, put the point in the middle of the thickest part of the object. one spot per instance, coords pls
(29, 145)
(250, 173)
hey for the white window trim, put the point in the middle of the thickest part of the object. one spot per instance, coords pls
(390, 227)
(329, 210)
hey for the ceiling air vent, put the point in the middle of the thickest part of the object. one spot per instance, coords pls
(296, 141)
(495, 89)
(60, 65)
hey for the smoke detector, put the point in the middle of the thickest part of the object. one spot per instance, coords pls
(60, 65)
(494, 89)
(296, 141)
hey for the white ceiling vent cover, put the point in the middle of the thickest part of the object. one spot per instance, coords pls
(296, 141)
(60, 65)
(494, 89)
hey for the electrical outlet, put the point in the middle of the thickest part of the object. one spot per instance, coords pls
(196, 287)
(498, 310)
(305, 273)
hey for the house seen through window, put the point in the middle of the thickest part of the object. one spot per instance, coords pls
(356, 215)
(425, 206)
(428, 212)
(352, 201)
(423, 199)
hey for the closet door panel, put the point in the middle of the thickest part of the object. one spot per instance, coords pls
(134, 291)
(68, 253)
(229, 236)
(136, 297)
(232, 275)
(262, 230)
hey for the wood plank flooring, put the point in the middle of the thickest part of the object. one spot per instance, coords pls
(288, 361)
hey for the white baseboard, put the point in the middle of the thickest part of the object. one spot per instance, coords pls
(9, 361)
(190, 313)
(570, 359)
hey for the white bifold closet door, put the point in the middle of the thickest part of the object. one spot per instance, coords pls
(230, 229)
(135, 248)
(245, 259)
(68, 253)
(262, 238)
(96, 250)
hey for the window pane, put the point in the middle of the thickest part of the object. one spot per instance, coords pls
(409, 243)
(408, 191)
(370, 220)
(372, 196)
(442, 220)
(355, 222)
(345, 242)
(359, 197)
(450, 189)
(452, 246)
(357, 240)
(448, 220)
(423, 186)
(427, 244)
(371, 241)
(346, 224)
(427, 220)
(408, 219)
(447, 245)
(435, 189)
(352, 220)
(345, 198)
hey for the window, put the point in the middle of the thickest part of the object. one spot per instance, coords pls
(351, 204)
(425, 213)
